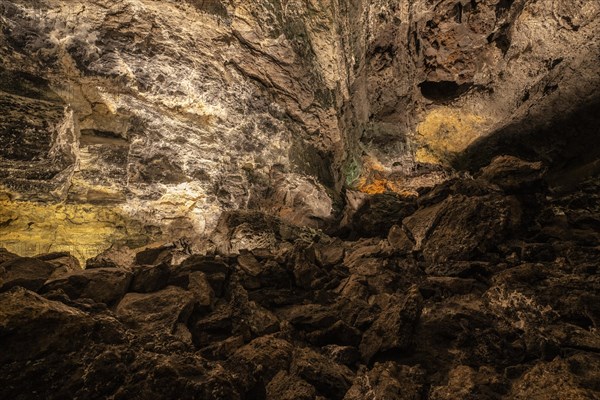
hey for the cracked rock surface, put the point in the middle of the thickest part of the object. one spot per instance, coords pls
(439, 306)
(131, 121)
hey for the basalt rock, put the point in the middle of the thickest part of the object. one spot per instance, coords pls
(29, 273)
(497, 309)
(299, 199)
(127, 122)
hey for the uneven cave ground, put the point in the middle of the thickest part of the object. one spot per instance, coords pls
(483, 287)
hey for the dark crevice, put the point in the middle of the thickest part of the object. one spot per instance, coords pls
(459, 12)
(501, 38)
(442, 91)
(94, 136)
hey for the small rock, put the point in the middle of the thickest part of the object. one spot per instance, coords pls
(347, 355)
(216, 270)
(222, 349)
(63, 261)
(330, 254)
(155, 255)
(202, 291)
(249, 264)
(399, 241)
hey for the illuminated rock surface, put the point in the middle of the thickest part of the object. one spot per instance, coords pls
(337, 199)
(147, 119)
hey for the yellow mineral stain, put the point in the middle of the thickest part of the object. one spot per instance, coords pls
(426, 156)
(376, 179)
(445, 131)
(29, 228)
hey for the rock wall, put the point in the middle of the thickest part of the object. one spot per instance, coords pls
(157, 116)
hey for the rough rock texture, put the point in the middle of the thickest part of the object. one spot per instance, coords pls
(130, 121)
(444, 306)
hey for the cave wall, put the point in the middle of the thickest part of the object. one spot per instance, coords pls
(144, 119)
(437, 76)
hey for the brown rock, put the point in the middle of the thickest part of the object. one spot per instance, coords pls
(330, 379)
(394, 327)
(460, 227)
(514, 175)
(260, 361)
(574, 377)
(63, 261)
(150, 278)
(158, 311)
(399, 241)
(289, 387)
(103, 285)
(30, 273)
(32, 326)
(200, 287)
(6, 255)
(389, 381)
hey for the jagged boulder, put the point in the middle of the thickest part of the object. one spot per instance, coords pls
(514, 175)
(32, 327)
(462, 227)
(30, 273)
(158, 311)
(103, 285)
(394, 327)
(389, 380)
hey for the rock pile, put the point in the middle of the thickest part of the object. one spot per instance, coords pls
(487, 289)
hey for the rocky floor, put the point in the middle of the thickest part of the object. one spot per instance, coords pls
(484, 287)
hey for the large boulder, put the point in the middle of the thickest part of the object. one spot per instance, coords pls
(156, 312)
(30, 273)
(394, 327)
(32, 326)
(389, 381)
(514, 175)
(102, 285)
(461, 227)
